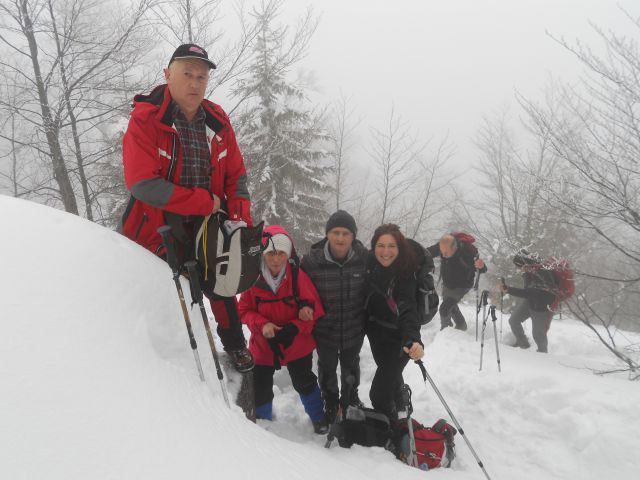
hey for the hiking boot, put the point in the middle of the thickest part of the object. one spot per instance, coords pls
(462, 326)
(242, 359)
(522, 342)
(321, 427)
(356, 402)
(445, 325)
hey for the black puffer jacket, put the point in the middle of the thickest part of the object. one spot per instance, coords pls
(391, 300)
(457, 271)
(342, 291)
(539, 285)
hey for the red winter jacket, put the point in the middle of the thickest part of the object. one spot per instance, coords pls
(255, 313)
(152, 157)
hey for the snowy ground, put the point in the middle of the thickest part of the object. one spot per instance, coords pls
(97, 381)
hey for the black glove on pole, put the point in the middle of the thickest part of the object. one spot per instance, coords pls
(196, 294)
(426, 377)
(172, 260)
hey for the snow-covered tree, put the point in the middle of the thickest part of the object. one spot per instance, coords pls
(283, 141)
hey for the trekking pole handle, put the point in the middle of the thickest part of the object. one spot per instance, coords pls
(172, 260)
(194, 279)
(477, 282)
(492, 310)
(485, 297)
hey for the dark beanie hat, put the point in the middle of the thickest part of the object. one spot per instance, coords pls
(341, 219)
(523, 257)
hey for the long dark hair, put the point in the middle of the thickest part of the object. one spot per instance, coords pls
(406, 262)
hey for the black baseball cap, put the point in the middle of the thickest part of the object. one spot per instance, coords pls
(191, 51)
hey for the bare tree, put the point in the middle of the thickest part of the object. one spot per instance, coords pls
(342, 132)
(593, 129)
(81, 82)
(395, 152)
(432, 193)
(18, 18)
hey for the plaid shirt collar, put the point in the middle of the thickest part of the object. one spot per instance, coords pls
(179, 117)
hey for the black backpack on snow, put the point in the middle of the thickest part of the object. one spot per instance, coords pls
(363, 426)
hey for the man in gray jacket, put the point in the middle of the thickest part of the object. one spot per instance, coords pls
(337, 267)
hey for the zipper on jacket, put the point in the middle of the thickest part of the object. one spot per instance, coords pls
(174, 158)
(142, 222)
(341, 311)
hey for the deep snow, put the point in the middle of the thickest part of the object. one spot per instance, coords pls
(97, 381)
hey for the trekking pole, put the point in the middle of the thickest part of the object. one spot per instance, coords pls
(475, 287)
(406, 401)
(501, 305)
(485, 317)
(196, 293)
(172, 260)
(492, 309)
(426, 377)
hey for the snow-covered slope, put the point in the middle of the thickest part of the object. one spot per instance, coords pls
(97, 381)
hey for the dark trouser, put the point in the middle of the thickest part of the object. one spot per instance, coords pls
(386, 347)
(328, 357)
(302, 377)
(449, 306)
(540, 322)
(229, 326)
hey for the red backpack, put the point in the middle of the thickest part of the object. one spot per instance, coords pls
(434, 445)
(564, 277)
(464, 237)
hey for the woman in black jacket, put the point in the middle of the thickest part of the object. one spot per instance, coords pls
(393, 328)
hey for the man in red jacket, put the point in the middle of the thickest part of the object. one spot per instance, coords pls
(181, 163)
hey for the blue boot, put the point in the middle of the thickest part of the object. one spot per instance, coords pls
(313, 405)
(265, 412)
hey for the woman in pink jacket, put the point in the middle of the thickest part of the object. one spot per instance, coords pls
(281, 319)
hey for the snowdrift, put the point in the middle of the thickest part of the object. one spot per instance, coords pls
(97, 381)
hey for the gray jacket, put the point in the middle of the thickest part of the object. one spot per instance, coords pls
(342, 290)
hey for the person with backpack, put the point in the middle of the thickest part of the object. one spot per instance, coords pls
(393, 328)
(182, 163)
(281, 310)
(458, 267)
(337, 267)
(538, 299)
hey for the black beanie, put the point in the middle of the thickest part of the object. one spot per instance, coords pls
(341, 219)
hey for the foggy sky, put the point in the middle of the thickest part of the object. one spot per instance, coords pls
(444, 64)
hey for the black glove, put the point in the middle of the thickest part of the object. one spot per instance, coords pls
(286, 335)
(277, 352)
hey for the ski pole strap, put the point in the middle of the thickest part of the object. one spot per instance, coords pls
(172, 260)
